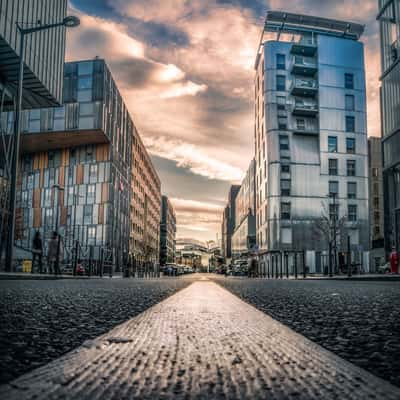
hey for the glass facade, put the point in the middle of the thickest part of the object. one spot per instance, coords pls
(389, 19)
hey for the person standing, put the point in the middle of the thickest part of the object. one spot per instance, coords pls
(37, 252)
(52, 254)
(394, 261)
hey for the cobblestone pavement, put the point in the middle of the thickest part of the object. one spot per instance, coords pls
(359, 321)
(201, 343)
(41, 320)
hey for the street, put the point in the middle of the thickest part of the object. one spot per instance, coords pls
(42, 319)
(201, 343)
(359, 321)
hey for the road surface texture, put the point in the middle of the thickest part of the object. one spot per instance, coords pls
(201, 343)
(41, 320)
(359, 321)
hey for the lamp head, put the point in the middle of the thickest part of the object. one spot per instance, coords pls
(71, 21)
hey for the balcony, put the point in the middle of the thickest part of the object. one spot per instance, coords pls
(305, 109)
(305, 66)
(304, 87)
(305, 127)
(305, 47)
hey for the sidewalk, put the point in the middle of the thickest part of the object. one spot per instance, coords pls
(34, 276)
(201, 343)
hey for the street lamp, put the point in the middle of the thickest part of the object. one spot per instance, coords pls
(70, 22)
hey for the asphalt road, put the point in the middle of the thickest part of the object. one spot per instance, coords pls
(359, 321)
(40, 320)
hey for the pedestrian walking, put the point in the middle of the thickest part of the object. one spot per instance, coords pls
(52, 254)
(37, 252)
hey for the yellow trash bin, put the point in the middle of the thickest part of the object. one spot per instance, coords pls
(27, 266)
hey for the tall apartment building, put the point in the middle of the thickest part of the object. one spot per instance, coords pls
(167, 232)
(376, 215)
(310, 137)
(244, 236)
(389, 19)
(228, 222)
(89, 147)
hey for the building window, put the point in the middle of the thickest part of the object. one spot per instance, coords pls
(375, 172)
(285, 168)
(93, 173)
(301, 124)
(376, 202)
(283, 142)
(285, 211)
(333, 166)
(333, 188)
(350, 145)
(349, 81)
(376, 188)
(332, 144)
(91, 194)
(349, 102)
(285, 187)
(352, 212)
(87, 214)
(280, 61)
(351, 167)
(333, 211)
(377, 217)
(282, 123)
(34, 121)
(281, 102)
(73, 156)
(351, 190)
(91, 235)
(280, 83)
(350, 123)
(377, 231)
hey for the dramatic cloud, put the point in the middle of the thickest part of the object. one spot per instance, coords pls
(185, 70)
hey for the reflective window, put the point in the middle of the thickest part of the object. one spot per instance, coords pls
(87, 214)
(333, 211)
(86, 122)
(350, 123)
(84, 95)
(283, 142)
(280, 82)
(333, 188)
(285, 211)
(85, 82)
(351, 190)
(349, 102)
(349, 81)
(280, 61)
(285, 187)
(86, 109)
(332, 144)
(333, 166)
(91, 235)
(350, 145)
(351, 168)
(85, 68)
(91, 194)
(352, 212)
(281, 102)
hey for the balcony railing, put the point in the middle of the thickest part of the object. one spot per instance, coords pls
(306, 46)
(307, 109)
(306, 66)
(304, 87)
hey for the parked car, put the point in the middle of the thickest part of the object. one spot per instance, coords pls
(80, 270)
(384, 269)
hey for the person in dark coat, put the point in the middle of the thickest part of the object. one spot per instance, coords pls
(52, 254)
(37, 252)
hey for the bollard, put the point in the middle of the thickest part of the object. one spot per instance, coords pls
(295, 265)
(304, 264)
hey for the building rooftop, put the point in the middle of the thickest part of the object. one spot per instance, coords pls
(283, 22)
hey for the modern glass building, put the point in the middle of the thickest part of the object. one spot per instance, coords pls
(89, 147)
(167, 232)
(228, 222)
(311, 139)
(244, 235)
(44, 51)
(389, 19)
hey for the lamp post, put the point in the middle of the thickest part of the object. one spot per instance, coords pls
(59, 189)
(69, 22)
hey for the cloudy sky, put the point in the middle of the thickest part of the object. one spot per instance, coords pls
(185, 69)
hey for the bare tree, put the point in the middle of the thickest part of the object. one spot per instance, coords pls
(331, 229)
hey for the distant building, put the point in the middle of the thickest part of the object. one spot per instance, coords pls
(89, 146)
(229, 221)
(376, 215)
(311, 138)
(193, 253)
(167, 232)
(244, 236)
(389, 19)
